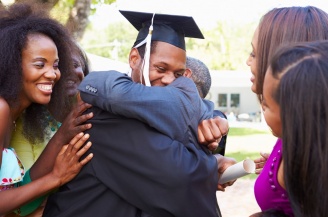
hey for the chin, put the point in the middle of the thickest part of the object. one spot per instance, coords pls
(44, 102)
(71, 92)
(253, 88)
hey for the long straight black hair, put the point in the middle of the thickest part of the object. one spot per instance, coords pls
(303, 98)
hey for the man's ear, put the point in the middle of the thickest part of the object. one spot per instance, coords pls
(134, 58)
(187, 73)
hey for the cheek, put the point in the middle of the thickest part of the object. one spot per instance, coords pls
(28, 77)
(153, 75)
(279, 129)
(156, 79)
(253, 67)
(79, 73)
(274, 123)
(58, 75)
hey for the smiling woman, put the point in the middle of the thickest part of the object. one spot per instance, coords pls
(31, 46)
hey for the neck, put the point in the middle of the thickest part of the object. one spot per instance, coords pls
(18, 109)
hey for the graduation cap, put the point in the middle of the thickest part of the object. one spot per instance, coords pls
(167, 28)
(171, 29)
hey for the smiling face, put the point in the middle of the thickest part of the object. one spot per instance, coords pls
(271, 109)
(167, 62)
(251, 61)
(75, 78)
(40, 69)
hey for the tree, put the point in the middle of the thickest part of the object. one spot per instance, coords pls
(72, 13)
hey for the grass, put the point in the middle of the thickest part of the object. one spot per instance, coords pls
(235, 131)
(239, 156)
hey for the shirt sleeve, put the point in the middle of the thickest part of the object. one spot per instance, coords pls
(172, 109)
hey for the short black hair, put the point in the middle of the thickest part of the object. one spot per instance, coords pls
(200, 75)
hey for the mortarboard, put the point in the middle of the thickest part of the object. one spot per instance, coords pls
(167, 28)
(171, 29)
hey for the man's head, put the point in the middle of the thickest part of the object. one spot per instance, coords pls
(200, 74)
(166, 63)
(167, 59)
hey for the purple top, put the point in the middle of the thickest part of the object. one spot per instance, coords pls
(268, 192)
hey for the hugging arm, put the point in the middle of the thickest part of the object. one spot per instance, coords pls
(213, 132)
(170, 109)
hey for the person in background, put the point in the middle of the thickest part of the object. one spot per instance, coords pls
(146, 173)
(29, 70)
(201, 76)
(278, 27)
(301, 72)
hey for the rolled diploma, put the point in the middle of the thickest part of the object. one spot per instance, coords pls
(237, 170)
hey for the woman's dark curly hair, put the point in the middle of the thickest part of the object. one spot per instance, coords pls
(17, 22)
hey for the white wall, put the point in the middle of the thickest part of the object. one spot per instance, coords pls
(234, 82)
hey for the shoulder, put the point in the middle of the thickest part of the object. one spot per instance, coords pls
(185, 84)
(103, 74)
(100, 79)
(184, 81)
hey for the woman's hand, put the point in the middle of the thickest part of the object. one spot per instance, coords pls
(68, 163)
(260, 162)
(74, 123)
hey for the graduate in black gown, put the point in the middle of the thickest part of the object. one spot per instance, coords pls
(136, 170)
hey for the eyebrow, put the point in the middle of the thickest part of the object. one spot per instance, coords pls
(43, 59)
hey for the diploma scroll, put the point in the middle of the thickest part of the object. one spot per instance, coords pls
(237, 170)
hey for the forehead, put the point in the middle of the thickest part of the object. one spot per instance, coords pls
(41, 40)
(39, 43)
(166, 52)
(270, 84)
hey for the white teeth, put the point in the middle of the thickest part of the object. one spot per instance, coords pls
(45, 86)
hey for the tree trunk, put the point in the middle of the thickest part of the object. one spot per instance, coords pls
(78, 18)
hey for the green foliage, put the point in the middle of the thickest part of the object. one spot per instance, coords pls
(118, 36)
(235, 131)
(226, 47)
(62, 9)
(98, 3)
